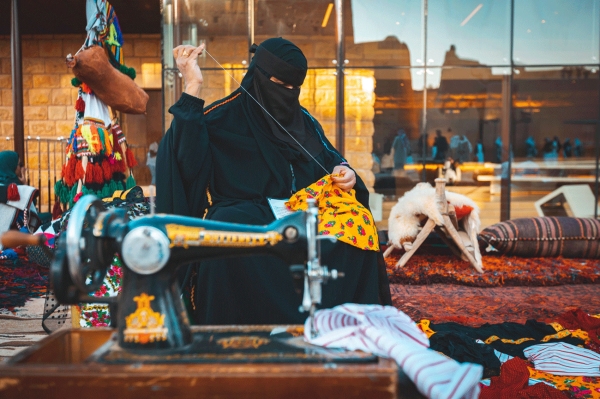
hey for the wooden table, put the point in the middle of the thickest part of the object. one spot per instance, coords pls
(58, 366)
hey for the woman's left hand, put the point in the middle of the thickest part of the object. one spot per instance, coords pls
(343, 177)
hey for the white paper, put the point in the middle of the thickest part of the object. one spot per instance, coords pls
(278, 207)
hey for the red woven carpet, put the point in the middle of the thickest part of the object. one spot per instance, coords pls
(475, 306)
(424, 269)
(20, 279)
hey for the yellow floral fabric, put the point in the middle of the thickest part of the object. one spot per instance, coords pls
(340, 214)
(574, 387)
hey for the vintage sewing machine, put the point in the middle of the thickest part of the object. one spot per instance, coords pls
(154, 349)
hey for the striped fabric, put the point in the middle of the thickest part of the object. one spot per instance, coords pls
(387, 332)
(545, 236)
(564, 359)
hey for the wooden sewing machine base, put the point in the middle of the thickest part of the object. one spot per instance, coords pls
(64, 365)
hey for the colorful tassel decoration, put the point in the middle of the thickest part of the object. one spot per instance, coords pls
(131, 162)
(79, 172)
(13, 192)
(105, 191)
(112, 187)
(69, 175)
(86, 88)
(106, 171)
(56, 209)
(89, 173)
(80, 105)
(98, 173)
(130, 183)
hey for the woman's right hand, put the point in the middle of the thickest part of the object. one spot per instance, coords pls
(186, 57)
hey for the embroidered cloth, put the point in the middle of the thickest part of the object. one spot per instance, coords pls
(340, 214)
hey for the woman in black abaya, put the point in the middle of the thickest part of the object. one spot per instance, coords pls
(223, 161)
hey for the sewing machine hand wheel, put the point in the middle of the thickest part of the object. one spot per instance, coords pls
(82, 247)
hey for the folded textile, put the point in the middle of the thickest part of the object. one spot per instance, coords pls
(463, 348)
(512, 338)
(560, 358)
(578, 319)
(513, 382)
(387, 332)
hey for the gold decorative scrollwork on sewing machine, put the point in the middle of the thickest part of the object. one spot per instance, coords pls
(242, 342)
(145, 325)
(186, 236)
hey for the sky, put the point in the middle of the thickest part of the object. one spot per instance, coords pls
(546, 32)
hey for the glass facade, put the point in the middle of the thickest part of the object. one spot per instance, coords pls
(495, 85)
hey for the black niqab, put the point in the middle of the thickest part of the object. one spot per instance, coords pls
(278, 114)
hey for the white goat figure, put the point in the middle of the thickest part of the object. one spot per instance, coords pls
(416, 205)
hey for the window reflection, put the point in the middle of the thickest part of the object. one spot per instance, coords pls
(555, 104)
(474, 32)
(556, 32)
(461, 77)
(389, 34)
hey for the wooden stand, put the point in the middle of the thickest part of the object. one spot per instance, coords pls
(59, 366)
(458, 241)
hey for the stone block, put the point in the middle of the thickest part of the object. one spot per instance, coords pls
(354, 51)
(325, 50)
(7, 130)
(6, 145)
(46, 81)
(359, 128)
(5, 81)
(359, 98)
(42, 128)
(146, 48)
(32, 113)
(308, 48)
(39, 96)
(33, 65)
(65, 80)
(6, 113)
(55, 65)
(56, 112)
(27, 81)
(71, 46)
(5, 66)
(326, 112)
(64, 96)
(127, 51)
(360, 160)
(6, 97)
(30, 48)
(135, 63)
(51, 48)
(359, 113)
(358, 144)
(64, 127)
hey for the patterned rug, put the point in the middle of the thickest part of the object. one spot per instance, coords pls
(475, 306)
(21, 279)
(425, 269)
